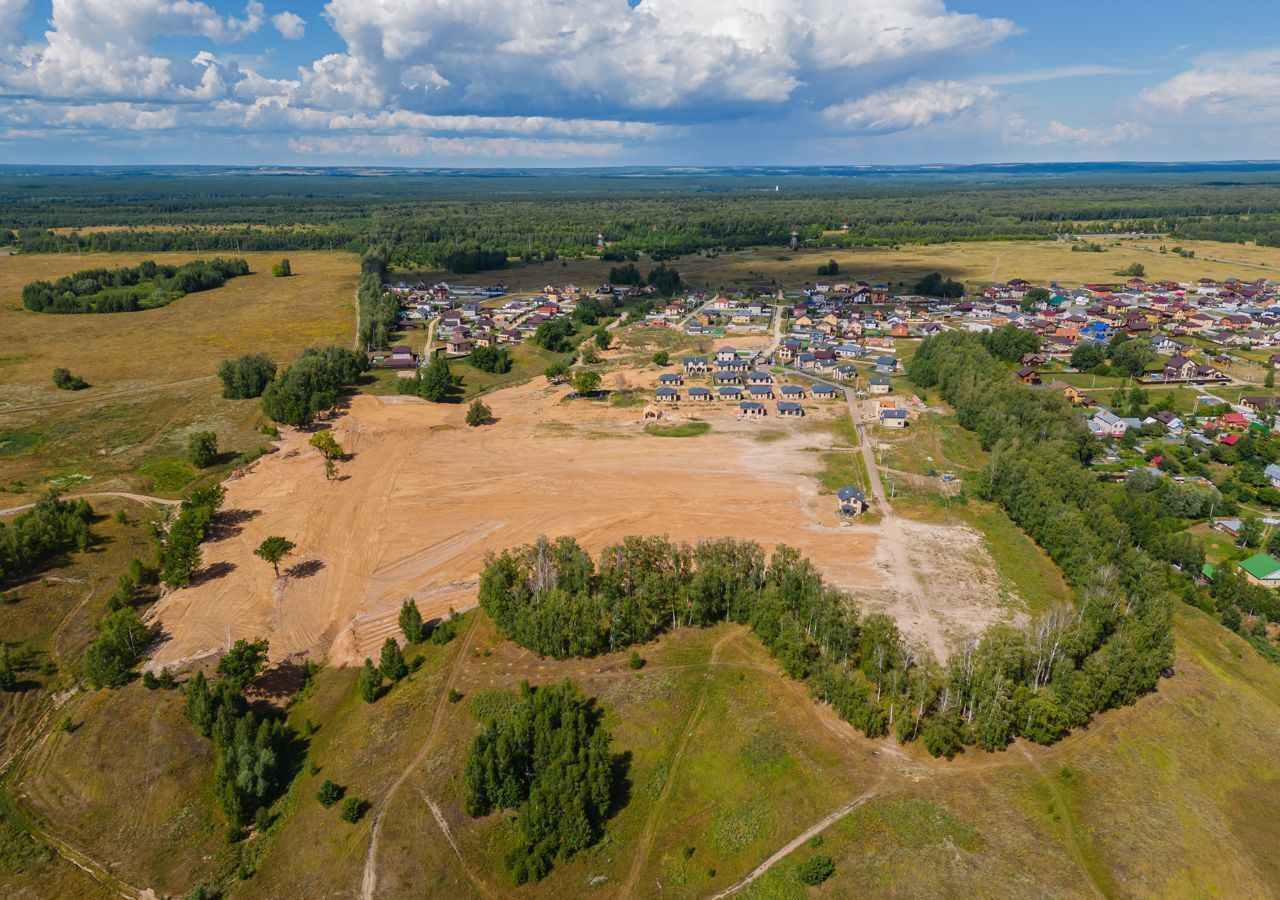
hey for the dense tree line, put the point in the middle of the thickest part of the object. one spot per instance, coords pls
(377, 310)
(312, 384)
(548, 757)
(181, 552)
(128, 289)
(435, 220)
(50, 527)
(1010, 343)
(1036, 682)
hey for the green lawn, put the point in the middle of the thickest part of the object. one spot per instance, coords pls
(684, 429)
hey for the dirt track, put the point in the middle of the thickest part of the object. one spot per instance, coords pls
(423, 498)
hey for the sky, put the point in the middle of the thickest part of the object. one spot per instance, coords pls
(646, 82)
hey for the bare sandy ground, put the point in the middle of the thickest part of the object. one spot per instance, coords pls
(423, 498)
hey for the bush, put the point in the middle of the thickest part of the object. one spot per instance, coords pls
(63, 380)
(353, 809)
(661, 358)
(202, 449)
(282, 269)
(816, 869)
(329, 794)
(478, 413)
(635, 660)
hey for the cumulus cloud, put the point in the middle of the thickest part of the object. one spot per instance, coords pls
(661, 54)
(912, 104)
(1020, 131)
(290, 25)
(1244, 83)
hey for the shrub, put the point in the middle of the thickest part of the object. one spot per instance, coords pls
(202, 449)
(63, 380)
(478, 414)
(329, 794)
(816, 869)
(282, 269)
(353, 809)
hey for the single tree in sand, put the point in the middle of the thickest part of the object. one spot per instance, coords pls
(274, 549)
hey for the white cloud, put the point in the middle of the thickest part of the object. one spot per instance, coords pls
(912, 104)
(1018, 130)
(1240, 84)
(661, 54)
(290, 25)
(424, 146)
(1085, 70)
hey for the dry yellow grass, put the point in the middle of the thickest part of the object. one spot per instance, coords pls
(153, 373)
(976, 263)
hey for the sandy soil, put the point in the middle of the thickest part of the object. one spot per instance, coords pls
(423, 498)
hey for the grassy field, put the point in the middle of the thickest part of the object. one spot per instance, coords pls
(152, 373)
(684, 429)
(976, 263)
(727, 761)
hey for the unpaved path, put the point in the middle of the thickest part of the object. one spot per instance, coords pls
(123, 495)
(799, 840)
(369, 882)
(1068, 824)
(651, 824)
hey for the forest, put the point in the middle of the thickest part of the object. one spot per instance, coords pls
(464, 223)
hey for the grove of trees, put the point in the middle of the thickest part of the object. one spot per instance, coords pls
(126, 289)
(52, 526)
(246, 376)
(312, 384)
(547, 756)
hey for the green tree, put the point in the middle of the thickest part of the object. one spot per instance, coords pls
(391, 661)
(602, 338)
(370, 682)
(240, 665)
(353, 809)
(494, 360)
(202, 449)
(435, 383)
(478, 413)
(328, 446)
(1270, 379)
(329, 794)
(282, 269)
(557, 373)
(273, 550)
(665, 280)
(411, 624)
(8, 680)
(661, 358)
(1087, 356)
(246, 376)
(585, 383)
(116, 650)
(1250, 532)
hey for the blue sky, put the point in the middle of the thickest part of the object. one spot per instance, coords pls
(621, 82)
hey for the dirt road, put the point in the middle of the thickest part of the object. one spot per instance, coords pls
(123, 495)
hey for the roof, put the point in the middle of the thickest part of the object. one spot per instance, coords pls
(789, 407)
(849, 492)
(1262, 566)
(1208, 571)
(824, 389)
(747, 404)
(665, 392)
(698, 391)
(893, 413)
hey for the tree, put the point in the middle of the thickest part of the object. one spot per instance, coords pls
(117, 649)
(330, 469)
(274, 549)
(1087, 356)
(830, 268)
(494, 360)
(557, 373)
(1250, 532)
(665, 280)
(627, 274)
(1131, 357)
(63, 380)
(282, 269)
(661, 358)
(478, 413)
(242, 663)
(202, 449)
(435, 383)
(312, 384)
(1033, 298)
(246, 376)
(370, 681)
(391, 661)
(602, 338)
(411, 624)
(7, 678)
(1135, 270)
(352, 809)
(933, 285)
(1270, 379)
(329, 794)
(585, 383)
(328, 446)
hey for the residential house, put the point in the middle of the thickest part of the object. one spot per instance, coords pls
(670, 379)
(667, 395)
(852, 501)
(1263, 569)
(790, 410)
(824, 392)
(749, 409)
(893, 418)
(1105, 423)
(880, 385)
